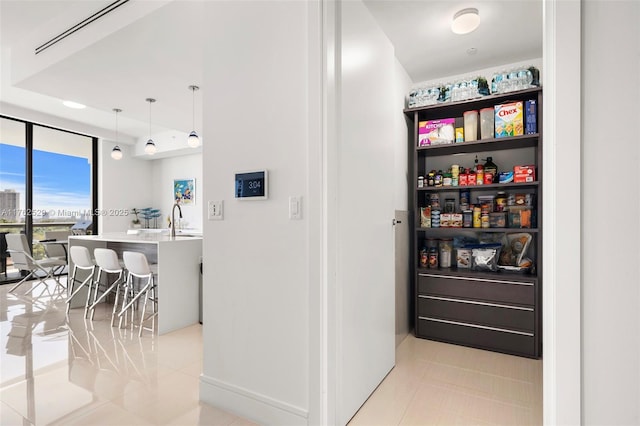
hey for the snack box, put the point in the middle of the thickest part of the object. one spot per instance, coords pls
(436, 132)
(425, 217)
(445, 220)
(505, 177)
(509, 119)
(521, 217)
(456, 220)
(530, 120)
(498, 220)
(463, 257)
(522, 174)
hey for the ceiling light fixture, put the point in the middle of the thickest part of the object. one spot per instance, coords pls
(74, 105)
(116, 153)
(150, 147)
(465, 21)
(193, 141)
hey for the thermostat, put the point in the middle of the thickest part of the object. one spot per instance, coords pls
(252, 185)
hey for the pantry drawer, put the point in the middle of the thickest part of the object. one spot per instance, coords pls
(477, 288)
(495, 339)
(493, 314)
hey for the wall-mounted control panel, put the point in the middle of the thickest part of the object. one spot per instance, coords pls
(252, 185)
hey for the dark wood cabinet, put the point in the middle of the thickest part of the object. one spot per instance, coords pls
(492, 310)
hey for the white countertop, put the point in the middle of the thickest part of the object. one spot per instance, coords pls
(143, 237)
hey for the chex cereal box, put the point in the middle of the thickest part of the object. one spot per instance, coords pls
(508, 120)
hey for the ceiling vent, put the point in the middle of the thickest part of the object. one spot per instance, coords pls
(113, 6)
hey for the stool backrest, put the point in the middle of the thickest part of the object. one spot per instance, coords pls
(107, 259)
(136, 263)
(20, 253)
(81, 257)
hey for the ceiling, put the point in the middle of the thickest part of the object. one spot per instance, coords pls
(154, 49)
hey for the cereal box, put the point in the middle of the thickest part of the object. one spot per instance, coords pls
(530, 121)
(436, 132)
(508, 120)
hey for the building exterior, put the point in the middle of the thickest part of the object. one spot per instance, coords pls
(9, 205)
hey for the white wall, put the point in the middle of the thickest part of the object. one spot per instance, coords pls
(122, 184)
(401, 175)
(610, 230)
(256, 285)
(164, 171)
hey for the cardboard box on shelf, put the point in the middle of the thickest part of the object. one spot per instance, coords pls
(436, 132)
(508, 119)
(524, 174)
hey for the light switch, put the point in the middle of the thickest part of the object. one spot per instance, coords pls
(295, 208)
(214, 210)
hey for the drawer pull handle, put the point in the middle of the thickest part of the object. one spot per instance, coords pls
(484, 327)
(486, 280)
(473, 302)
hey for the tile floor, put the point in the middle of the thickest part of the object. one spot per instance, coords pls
(70, 371)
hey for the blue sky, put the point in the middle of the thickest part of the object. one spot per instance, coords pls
(61, 182)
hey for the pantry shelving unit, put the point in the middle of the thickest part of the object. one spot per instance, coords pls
(499, 311)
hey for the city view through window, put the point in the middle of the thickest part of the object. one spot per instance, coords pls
(61, 184)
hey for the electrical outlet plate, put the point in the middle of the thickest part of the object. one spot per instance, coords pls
(295, 208)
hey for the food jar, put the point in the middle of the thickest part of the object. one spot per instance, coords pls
(446, 250)
(486, 123)
(467, 218)
(477, 219)
(470, 125)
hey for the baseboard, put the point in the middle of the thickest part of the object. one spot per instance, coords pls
(250, 405)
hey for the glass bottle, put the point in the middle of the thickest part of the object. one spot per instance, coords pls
(490, 167)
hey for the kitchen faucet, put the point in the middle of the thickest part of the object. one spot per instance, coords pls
(173, 218)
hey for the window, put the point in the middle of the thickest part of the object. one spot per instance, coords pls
(47, 182)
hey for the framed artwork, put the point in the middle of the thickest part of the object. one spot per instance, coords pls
(184, 191)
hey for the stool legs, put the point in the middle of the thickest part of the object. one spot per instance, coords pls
(97, 299)
(154, 305)
(88, 282)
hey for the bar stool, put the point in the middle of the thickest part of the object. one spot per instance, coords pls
(81, 259)
(108, 263)
(138, 267)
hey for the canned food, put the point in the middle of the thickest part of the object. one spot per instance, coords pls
(484, 220)
(477, 221)
(467, 218)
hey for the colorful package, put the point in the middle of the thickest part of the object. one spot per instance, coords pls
(508, 120)
(436, 132)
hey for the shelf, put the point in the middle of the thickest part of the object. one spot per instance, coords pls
(478, 102)
(494, 144)
(509, 185)
(500, 274)
(451, 230)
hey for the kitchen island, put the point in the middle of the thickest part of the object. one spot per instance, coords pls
(178, 263)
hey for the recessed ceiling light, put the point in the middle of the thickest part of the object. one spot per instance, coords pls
(465, 21)
(74, 105)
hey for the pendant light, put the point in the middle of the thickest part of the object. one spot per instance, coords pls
(150, 147)
(193, 141)
(116, 153)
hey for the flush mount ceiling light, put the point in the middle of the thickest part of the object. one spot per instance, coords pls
(116, 153)
(74, 105)
(150, 147)
(465, 21)
(193, 141)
